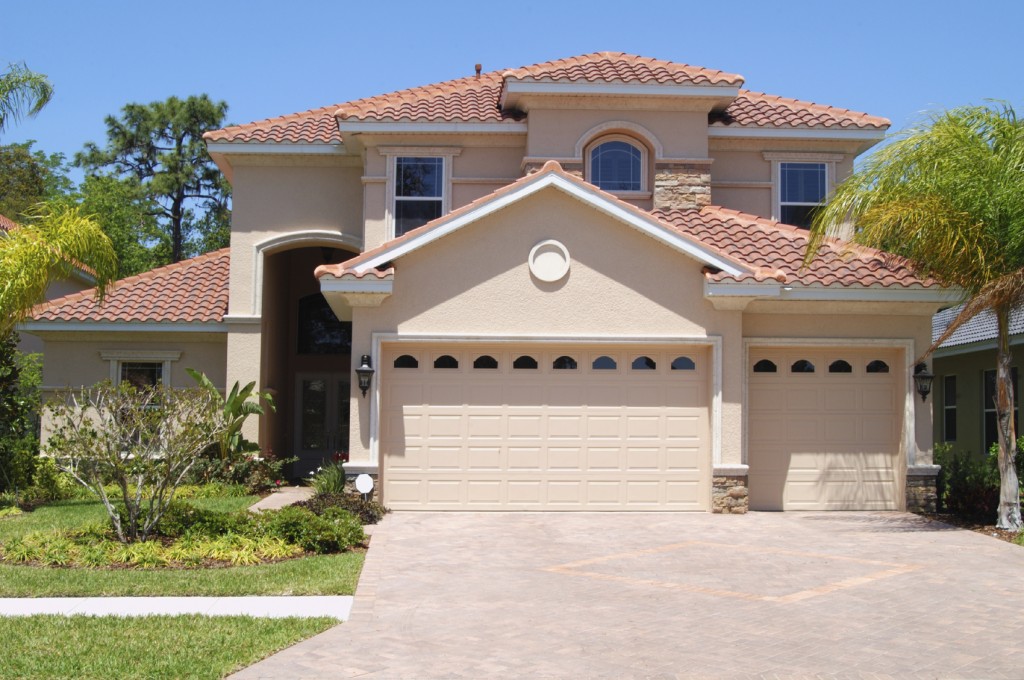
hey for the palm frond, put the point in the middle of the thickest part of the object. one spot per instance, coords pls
(22, 93)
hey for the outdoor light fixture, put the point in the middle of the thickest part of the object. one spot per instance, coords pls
(365, 372)
(923, 380)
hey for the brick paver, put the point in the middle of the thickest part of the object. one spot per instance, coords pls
(788, 595)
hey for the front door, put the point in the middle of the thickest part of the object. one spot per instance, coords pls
(321, 418)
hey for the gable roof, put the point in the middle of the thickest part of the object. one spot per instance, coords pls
(190, 291)
(551, 175)
(478, 99)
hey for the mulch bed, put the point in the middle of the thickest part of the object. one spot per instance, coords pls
(973, 525)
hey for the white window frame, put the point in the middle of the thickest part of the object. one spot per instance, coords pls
(949, 410)
(645, 160)
(117, 357)
(447, 155)
(776, 158)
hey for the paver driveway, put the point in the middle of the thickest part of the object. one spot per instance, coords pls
(859, 595)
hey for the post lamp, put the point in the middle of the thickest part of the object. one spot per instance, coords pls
(923, 380)
(365, 373)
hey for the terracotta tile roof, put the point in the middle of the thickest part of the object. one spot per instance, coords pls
(476, 99)
(619, 67)
(756, 109)
(776, 252)
(194, 290)
(6, 224)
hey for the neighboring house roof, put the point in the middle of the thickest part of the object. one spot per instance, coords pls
(754, 249)
(981, 328)
(6, 223)
(190, 291)
(477, 99)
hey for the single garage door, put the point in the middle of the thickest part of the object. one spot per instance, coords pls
(545, 428)
(824, 428)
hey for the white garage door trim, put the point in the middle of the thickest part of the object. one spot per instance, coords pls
(714, 342)
(908, 445)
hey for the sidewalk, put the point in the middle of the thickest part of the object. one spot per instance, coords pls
(286, 495)
(337, 606)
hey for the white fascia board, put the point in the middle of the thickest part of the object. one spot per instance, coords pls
(265, 148)
(795, 133)
(623, 89)
(789, 292)
(356, 127)
(124, 327)
(650, 227)
(979, 346)
(333, 285)
(712, 289)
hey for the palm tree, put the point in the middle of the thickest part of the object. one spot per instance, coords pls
(56, 240)
(22, 92)
(948, 195)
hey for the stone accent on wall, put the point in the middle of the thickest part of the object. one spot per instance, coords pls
(682, 185)
(922, 491)
(729, 495)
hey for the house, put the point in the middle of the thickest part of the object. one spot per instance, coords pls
(576, 285)
(965, 379)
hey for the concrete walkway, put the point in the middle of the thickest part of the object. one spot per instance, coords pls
(338, 607)
(578, 595)
(286, 495)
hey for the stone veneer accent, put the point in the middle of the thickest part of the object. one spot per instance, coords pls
(682, 185)
(922, 488)
(729, 495)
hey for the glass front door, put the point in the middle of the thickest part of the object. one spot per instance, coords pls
(321, 419)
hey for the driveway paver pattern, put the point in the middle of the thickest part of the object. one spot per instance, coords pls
(576, 595)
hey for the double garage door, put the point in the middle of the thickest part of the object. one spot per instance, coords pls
(535, 427)
(824, 428)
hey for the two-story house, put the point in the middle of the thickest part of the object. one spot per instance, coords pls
(577, 285)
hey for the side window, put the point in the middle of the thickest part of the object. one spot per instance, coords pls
(319, 330)
(949, 408)
(142, 374)
(988, 407)
(616, 165)
(802, 188)
(419, 191)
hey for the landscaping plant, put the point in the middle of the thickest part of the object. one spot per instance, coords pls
(236, 407)
(144, 441)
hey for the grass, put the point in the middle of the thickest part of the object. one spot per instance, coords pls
(144, 647)
(319, 575)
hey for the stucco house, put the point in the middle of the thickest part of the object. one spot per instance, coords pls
(965, 379)
(575, 285)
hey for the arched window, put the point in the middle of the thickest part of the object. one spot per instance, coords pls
(604, 363)
(406, 361)
(840, 366)
(616, 164)
(878, 366)
(564, 363)
(802, 366)
(525, 361)
(319, 331)
(683, 364)
(485, 361)
(446, 361)
(644, 364)
(765, 366)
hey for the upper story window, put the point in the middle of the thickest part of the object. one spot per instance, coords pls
(419, 191)
(616, 164)
(802, 188)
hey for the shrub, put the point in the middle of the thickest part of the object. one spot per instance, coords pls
(368, 511)
(255, 473)
(968, 485)
(334, 531)
(185, 519)
(329, 478)
(20, 377)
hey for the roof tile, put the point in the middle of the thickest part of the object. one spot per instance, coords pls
(757, 109)
(194, 290)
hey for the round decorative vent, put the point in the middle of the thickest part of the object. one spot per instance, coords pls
(549, 261)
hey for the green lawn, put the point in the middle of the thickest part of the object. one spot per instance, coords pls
(144, 647)
(319, 575)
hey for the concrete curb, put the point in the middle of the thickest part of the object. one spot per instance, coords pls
(336, 606)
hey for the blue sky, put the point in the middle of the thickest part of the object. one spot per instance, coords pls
(894, 59)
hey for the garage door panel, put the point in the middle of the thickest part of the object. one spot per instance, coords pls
(837, 444)
(546, 439)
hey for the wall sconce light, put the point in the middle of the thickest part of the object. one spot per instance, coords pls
(923, 380)
(365, 373)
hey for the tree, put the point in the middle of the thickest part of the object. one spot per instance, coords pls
(126, 217)
(29, 177)
(22, 93)
(55, 240)
(160, 148)
(948, 195)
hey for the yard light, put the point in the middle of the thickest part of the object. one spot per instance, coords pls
(923, 380)
(365, 373)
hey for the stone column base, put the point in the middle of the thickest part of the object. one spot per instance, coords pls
(729, 495)
(922, 490)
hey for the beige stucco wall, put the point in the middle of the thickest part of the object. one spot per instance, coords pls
(554, 133)
(622, 284)
(968, 369)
